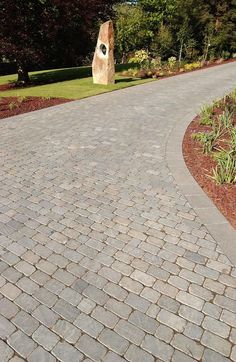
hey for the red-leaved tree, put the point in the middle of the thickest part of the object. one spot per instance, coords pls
(39, 31)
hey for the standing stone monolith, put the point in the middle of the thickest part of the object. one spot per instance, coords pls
(103, 61)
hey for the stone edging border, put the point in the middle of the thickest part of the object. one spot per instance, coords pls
(217, 225)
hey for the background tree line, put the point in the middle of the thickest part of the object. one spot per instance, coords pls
(43, 34)
(180, 28)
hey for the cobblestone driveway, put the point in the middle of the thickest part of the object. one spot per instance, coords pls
(102, 258)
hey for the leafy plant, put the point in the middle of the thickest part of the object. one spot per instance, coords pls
(226, 119)
(233, 139)
(192, 66)
(141, 57)
(206, 115)
(172, 62)
(21, 99)
(12, 106)
(225, 171)
(209, 139)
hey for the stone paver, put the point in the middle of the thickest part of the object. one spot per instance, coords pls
(102, 256)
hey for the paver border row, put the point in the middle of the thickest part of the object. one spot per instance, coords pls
(218, 226)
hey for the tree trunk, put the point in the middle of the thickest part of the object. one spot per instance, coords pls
(206, 52)
(181, 51)
(124, 58)
(23, 75)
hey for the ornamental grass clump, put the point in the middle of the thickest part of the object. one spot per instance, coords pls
(210, 139)
(218, 139)
(225, 170)
(206, 115)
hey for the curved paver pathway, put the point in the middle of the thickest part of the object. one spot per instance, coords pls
(102, 256)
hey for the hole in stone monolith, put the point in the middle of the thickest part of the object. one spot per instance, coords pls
(103, 49)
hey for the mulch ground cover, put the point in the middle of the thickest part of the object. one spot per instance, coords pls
(201, 165)
(12, 106)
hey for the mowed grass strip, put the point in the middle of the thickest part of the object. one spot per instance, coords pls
(70, 83)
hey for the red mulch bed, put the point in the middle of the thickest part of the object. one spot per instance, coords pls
(11, 106)
(200, 166)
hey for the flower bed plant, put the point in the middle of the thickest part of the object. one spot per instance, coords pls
(209, 149)
(149, 67)
(218, 138)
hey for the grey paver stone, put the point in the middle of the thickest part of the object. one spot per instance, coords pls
(130, 332)
(45, 338)
(165, 288)
(228, 317)
(143, 278)
(91, 348)
(144, 322)
(44, 296)
(216, 327)
(190, 300)
(178, 282)
(216, 343)
(179, 356)
(157, 348)
(171, 320)
(25, 268)
(27, 285)
(64, 352)
(115, 291)
(131, 285)
(25, 322)
(188, 346)
(111, 356)
(66, 310)
(6, 328)
(121, 309)
(21, 343)
(113, 341)
(191, 314)
(212, 356)
(26, 302)
(5, 351)
(105, 317)
(193, 331)
(44, 315)
(97, 295)
(136, 354)
(233, 353)
(168, 303)
(7, 308)
(10, 291)
(40, 355)
(88, 325)
(164, 333)
(86, 305)
(226, 303)
(137, 302)
(67, 331)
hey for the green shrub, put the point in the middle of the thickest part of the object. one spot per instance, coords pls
(206, 115)
(172, 62)
(209, 139)
(225, 171)
(226, 119)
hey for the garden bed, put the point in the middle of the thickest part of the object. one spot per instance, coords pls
(171, 68)
(202, 165)
(11, 106)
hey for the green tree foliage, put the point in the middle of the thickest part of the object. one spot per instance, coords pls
(131, 30)
(183, 28)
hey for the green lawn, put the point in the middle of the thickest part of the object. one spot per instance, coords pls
(71, 83)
